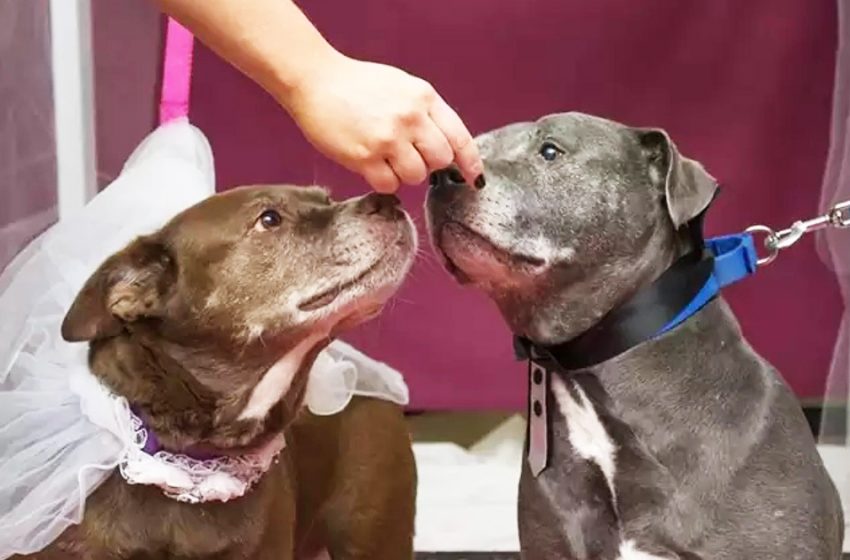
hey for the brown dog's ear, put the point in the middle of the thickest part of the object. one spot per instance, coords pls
(129, 285)
(688, 188)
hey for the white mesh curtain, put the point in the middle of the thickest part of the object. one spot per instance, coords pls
(834, 247)
(53, 56)
(27, 149)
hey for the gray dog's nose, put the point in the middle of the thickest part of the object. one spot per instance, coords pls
(450, 177)
(386, 205)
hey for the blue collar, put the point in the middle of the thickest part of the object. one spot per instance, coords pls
(734, 259)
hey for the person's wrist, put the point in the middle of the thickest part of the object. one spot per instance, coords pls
(293, 82)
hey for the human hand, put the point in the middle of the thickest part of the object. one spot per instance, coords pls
(381, 122)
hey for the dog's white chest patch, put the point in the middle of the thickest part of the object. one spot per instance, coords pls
(276, 381)
(628, 551)
(586, 432)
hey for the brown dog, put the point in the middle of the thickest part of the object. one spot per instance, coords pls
(209, 328)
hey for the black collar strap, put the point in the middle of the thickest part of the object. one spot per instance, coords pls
(638, 320)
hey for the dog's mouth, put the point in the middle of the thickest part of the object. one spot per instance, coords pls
(373, 284)
(327, 297)
(470, 254)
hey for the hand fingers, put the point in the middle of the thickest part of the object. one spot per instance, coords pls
(433, 146)
(465, 151)
(408, 164)
(381, 176)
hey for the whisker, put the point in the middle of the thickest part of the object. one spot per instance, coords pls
(429, 258)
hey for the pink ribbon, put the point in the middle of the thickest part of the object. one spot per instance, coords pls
(176, 73)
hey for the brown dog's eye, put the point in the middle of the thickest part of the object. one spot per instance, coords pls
(269, 219)
(550, 151)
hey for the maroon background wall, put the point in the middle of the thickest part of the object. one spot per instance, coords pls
(742, 86)
(127, 47)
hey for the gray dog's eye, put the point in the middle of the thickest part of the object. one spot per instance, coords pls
(550, 151)
(270, 219)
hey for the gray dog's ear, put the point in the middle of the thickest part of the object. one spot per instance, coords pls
(688, 188)
(130, 285)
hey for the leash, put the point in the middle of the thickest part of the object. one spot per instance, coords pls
(775, 241)
(678, 294)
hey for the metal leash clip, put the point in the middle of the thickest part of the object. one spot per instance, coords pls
(775, 241)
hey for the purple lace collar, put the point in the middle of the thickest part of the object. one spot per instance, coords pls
(153, 446)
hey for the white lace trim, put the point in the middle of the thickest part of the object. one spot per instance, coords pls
(191, 480)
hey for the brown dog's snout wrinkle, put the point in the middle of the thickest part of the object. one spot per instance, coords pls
(385, 205)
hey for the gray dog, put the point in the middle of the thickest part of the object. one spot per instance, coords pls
(687, 445)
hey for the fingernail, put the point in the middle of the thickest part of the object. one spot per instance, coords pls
(480, 182)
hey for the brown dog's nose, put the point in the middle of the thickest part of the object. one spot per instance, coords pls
(386, 205)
